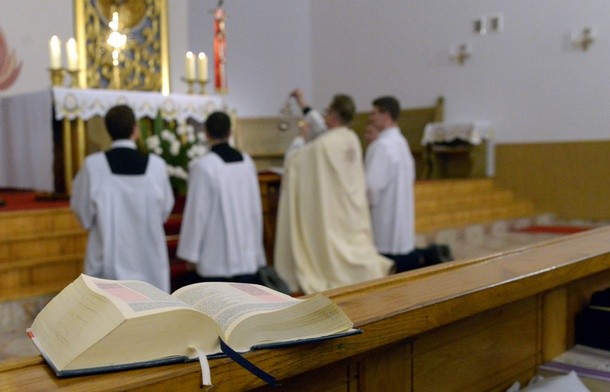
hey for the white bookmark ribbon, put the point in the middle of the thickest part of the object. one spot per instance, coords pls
(206, 375)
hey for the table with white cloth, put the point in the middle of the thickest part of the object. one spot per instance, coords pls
(450, 147)
(75, 106)
(26, 141)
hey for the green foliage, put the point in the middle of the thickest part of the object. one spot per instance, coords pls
(176, 142)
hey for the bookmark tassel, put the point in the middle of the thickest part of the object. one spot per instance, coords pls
(249, 366)
(206, 376)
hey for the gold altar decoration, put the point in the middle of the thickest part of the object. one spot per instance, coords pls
(142, 62)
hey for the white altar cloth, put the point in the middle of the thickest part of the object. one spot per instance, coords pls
(472, 132)
(88, 103)
(26, 141)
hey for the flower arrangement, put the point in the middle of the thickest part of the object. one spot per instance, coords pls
(177, 143)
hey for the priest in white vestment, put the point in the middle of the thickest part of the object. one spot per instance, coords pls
(123, 197)
(221, 235)
(324, 237)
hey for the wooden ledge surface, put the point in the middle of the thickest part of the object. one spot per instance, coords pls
(388, 310)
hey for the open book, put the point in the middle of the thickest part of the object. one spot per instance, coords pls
(97, 325)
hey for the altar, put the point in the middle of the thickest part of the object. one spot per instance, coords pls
(75, 107)
(458, 150)
(26, 127)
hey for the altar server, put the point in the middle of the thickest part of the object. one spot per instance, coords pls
(123, 197)
(390, 179)
(222, 225)
(323, 237)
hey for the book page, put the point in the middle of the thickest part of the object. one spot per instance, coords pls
(229, 303)
(134, 296)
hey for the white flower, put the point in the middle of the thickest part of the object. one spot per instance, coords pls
(196, 151)
(190, 137)
(153, 142)
(181, 173)
(174, 148)
(158, 150)
(184, 128)
(168, 135)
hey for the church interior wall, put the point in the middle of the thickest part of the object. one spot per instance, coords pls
(566, 178)
(526, 80)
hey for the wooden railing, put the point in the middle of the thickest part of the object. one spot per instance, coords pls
(475, 325)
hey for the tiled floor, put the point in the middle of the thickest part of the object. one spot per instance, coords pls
(470, 242)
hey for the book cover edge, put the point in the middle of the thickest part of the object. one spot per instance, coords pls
(296, 342)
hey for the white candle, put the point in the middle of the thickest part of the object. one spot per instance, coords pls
(189, 63)
(202, 67)
(72, 54)
(55, 52)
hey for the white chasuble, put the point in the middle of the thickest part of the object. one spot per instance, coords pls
(324, 237)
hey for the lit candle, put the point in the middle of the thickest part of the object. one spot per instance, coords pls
(72, 54)
(202, 67)
(55, 52)
(190, 66)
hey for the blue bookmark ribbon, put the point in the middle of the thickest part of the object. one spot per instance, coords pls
(249, 366)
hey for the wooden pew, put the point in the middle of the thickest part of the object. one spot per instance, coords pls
(475, 325)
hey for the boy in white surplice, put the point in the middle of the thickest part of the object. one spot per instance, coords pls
(222, 225)
(123, 197)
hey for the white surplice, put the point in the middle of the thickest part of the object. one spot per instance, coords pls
(124, 215)
(222, 224)
(323, 237)
(390, 178)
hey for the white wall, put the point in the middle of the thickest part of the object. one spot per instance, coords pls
(27, 26)
(526, 80)
(268, 50)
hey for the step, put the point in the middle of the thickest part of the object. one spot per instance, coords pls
(455, 203)
(15, 223)
(454, 219)
(435, 188)
(36, 277)
(43, 245)
(172, 225)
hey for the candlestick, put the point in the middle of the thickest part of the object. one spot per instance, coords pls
(55, 52)
(189, 63)
(73, 77)
(57, 76)
(72, 54)
(190, 85)
(202, 67)
(202, 89)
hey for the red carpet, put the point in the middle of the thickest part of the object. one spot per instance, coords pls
(19, 200)
(554, 229)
